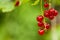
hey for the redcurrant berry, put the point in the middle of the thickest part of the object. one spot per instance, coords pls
(17, 3)
(40, 24)
(41, 32)
(56, 13)
(51, 17)
(51, 11)
(46, 5)
(46, 14)
(47, 26)
(40, 18)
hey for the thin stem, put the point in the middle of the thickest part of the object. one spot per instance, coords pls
(41, 7)
(42, 11)
(49, 4)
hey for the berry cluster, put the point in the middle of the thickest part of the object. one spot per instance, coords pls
(43, 26)
(50, 14)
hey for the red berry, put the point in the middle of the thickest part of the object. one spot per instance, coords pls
(51, 17)
(56, 13)
(46, 11)
(51, 11)
(47, 26)
(40, 24)
(46, 5)
(17, 3)
(41, 32)
(46, 14)
(40, 18)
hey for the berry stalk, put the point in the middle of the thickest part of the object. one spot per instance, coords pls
(41, 6)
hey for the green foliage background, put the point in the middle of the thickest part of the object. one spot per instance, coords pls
(20, 23)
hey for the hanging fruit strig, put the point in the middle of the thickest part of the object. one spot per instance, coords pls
(50, 14)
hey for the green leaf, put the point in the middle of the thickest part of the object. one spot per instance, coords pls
(36, 2)
(7, 5)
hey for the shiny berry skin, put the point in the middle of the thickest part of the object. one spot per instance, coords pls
(56, 13)
(51, 11)
(51, 17)
(41, 32)
(47, 26)
(46, 5)
(17, 3)
(46, 14)
(40, 24)
(40, 18)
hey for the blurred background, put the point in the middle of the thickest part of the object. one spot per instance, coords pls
(19, 23)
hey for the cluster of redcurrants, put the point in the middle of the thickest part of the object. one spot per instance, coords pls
(50, 14)
(43, 26)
